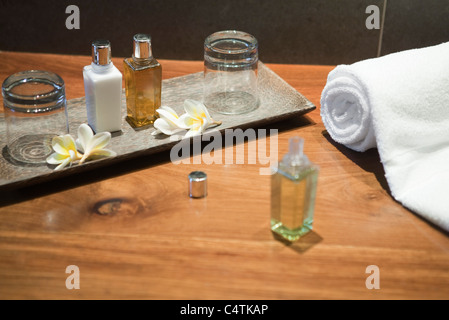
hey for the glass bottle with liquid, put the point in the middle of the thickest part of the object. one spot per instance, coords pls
(143, 83)
(293, 189)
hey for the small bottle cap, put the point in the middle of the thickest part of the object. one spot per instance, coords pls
(197, 184)
(295, 155)
(101, 52)
(142, 46)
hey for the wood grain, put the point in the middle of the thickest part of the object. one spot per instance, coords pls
(135, 234)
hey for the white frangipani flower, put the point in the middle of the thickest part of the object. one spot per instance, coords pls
(87, 146)
(168, 123)
(92, 146)
(65, 151)
(196, 118)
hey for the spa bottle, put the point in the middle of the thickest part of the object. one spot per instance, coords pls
(293, 189)
(143, 83)
(103, 89)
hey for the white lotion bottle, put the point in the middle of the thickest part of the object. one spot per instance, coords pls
(103, 89)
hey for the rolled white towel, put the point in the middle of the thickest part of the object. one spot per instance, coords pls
(398, 103)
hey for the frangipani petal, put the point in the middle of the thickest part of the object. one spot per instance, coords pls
(79, 146)
(98, 141)
(85, 134)
(208, 117)
(165, 127)
(167, 115)
(101, 153)
(187, 120)
(171, 117)
(61, 144)
(170, 110)
(196, 109)
(204, 124)
(74, 155)
(197, 128)
(63, 164)
(193, 108)
(192, 133)
(56, 158)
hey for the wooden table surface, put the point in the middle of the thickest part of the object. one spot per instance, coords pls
(135, 234)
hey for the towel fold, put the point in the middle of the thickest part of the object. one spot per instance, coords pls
(398, 103)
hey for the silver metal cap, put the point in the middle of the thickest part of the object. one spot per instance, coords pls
(197, 184)
(142, 46)
(101, 52)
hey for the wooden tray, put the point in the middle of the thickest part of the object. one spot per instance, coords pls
(278, 101)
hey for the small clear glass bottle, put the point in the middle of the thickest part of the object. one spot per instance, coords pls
(293, 189)
(143, 83)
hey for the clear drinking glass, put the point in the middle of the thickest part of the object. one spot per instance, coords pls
(35, 111)
(230, 72)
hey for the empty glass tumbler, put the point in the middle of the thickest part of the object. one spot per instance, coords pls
(230, 72)
(35, 112)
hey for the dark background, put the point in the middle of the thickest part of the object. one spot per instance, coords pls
(289, 31)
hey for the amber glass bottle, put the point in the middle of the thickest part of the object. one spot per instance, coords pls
(143, 83)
